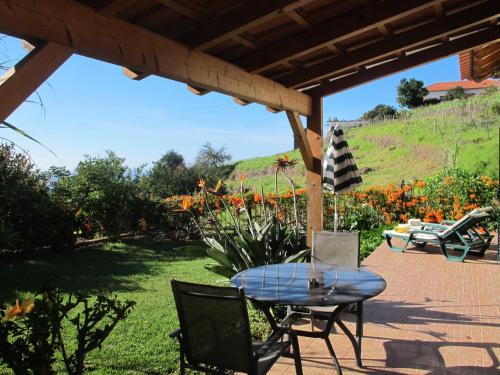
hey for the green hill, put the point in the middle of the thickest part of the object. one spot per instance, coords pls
(460, 133)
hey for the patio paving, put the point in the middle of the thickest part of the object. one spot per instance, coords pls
(435, 317)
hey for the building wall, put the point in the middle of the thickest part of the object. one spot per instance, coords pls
(440, 94)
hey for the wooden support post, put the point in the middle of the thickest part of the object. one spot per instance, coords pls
(301, 139)
(18, 83)
(314, 175)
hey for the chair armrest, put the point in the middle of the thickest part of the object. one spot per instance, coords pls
(175, 334)
(275, 336)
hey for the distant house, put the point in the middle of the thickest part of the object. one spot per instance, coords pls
(438, 90)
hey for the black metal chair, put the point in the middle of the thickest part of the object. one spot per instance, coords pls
(339, 249)
(214, 334)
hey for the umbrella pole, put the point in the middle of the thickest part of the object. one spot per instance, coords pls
(336, 215)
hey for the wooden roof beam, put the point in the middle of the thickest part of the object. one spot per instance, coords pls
(19, 82)
(237, 21)
(301, 138)
(407, 61)
(72, 24)
(331, 32)
(398, 43)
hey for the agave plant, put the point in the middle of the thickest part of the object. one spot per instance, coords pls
(239, 247)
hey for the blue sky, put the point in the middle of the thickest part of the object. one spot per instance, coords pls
(90, 107)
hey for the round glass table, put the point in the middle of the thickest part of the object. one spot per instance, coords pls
(314, 290)
(308, 284)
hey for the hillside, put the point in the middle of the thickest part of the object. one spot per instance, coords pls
(461, 133)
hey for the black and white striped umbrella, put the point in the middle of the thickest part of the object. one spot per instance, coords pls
(340, 173)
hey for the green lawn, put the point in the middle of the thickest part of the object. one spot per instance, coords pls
(140, 270)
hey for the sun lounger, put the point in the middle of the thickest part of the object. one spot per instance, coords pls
(460, 237)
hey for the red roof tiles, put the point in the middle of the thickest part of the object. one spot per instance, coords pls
(444, 86)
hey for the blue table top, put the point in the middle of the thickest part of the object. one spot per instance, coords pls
(309, 284)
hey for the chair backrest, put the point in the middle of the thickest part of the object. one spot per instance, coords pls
(338, 248)
(214, 326)
(466, 222)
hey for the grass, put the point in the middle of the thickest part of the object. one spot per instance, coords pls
(416, 146)
(139, 270)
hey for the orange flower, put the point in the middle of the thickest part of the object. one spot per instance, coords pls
(242, 178)
(420, 184)
(202, 183)
(19, 309)
(236, 201)
(300, 191)
(215, 190)
(257, 198)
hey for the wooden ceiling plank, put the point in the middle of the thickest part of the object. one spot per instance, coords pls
(198, 14)
(389, 46)
(407, 62)
(19, 82)
(115, 7)
(301, 138)
(77, 26)
(331, 32)
(237, 21)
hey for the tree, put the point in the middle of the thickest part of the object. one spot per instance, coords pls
(411, 93)
(102, 195)
(380, 111)
(29, 218)
(455, 93)
(170, 176)
(211, 163)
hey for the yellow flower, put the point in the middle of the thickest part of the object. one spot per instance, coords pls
(187, 202)
(201, 183)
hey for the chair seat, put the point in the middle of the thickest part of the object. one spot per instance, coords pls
(266, 361)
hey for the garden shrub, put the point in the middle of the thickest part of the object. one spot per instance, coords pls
(103, 196)
(33, 331)
(29, 218)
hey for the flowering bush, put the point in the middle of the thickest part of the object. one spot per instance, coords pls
(31, 332)
(448, 195)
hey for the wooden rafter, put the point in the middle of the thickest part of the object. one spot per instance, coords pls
(389, 46)
(301, 138)
(237, 21)
(328, 33)
(19, 82)
(72, 24)
(404, 62)
(197, 90)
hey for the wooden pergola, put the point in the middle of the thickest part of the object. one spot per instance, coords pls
(286, 55)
